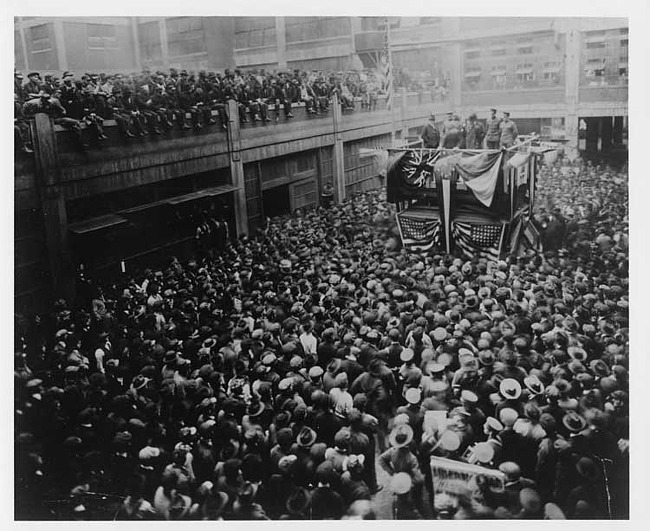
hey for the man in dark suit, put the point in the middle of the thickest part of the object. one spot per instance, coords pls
(430, 134)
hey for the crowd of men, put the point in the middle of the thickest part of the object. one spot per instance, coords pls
(152, 103)
(471, 134)
(271, 380)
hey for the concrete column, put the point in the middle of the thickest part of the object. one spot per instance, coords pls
(237, 169)
(59, 41)
(164, 47)
(55, 220)
(337, 154)
(404, 114)
(136, 43)
(572, 86)
(281, 42)
(23, 41)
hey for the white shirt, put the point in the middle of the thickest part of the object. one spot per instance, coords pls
(309, 342)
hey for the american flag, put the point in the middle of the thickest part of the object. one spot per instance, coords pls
(419, 233)
(386, 67)
(478, 240)
(531, 234)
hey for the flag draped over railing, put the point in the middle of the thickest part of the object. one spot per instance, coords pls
(420, 231)
(478, 240)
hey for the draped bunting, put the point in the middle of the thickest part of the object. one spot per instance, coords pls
(518, 159)
(480, 173)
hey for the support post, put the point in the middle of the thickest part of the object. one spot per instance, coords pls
(52, 198)
(237, 169)
(59, 40)
(339, 162)
(572, 86)
(281, 42)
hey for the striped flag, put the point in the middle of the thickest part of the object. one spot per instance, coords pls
(419, 233)
(531, 234)
(478, 239)
(387, 67)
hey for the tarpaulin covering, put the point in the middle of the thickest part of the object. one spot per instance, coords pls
(480, 173)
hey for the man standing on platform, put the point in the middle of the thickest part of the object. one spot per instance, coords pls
(474, 133)
(452, 135)
(508, 130)
(430, 135)
(493, 133)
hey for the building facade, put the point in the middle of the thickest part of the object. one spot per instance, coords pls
(136, 203)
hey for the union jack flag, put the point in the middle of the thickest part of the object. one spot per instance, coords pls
(417, 167)
(419, 233)
(478, 240)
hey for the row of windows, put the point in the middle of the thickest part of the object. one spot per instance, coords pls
(102, 36)
(300, 29)
(99, 37)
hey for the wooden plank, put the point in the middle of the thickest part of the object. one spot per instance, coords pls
(98, 223)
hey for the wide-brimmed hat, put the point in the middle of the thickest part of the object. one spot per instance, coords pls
(483, 452)
(599, 368)
(306, 437)
(401, 436)
(170, 357)
(577, 353)
(574, 422)
(510, 388)
(401, 483)
(413, 395)
(533, 384)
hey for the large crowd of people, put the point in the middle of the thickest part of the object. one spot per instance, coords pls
(154, 102)
(295, 375)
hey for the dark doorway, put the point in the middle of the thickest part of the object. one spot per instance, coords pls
(276, 201)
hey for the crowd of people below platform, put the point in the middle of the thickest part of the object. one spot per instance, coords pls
(271, 379)
(153, 103)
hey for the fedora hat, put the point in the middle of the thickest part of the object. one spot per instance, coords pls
(170, 357)
(574, 422)
(599, 368)
(533, 384)
(510, 388)
(577, 353)
(306, 437)
(401, 436)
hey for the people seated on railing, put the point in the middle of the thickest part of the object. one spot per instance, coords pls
(22, 133)
(44, 103)
(156, 101)
(308, 97)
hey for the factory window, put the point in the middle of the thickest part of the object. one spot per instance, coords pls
(185, 35)
(40, 37)
(102, 36)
